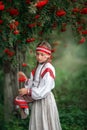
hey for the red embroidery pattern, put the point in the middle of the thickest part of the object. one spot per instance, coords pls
(33, 71)
(22, 103)
(48, 70)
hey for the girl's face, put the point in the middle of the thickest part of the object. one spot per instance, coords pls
(42, 57)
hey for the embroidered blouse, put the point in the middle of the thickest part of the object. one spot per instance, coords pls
(42, 81)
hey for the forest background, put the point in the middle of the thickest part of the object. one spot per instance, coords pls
(23, 24)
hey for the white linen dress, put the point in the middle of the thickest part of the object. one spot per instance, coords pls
(44, 112)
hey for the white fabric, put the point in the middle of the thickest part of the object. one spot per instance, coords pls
(46, 83)
(44, 113)
(28, 84)
(26, 110)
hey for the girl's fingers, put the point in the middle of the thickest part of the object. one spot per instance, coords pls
(23, 91)
(20, 73)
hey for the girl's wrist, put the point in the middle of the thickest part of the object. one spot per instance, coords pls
(29, 91)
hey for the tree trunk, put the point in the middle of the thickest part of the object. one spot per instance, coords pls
(11, 84)
(10, 89)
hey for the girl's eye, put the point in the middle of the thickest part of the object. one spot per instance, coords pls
(42, 54)
(39, 54)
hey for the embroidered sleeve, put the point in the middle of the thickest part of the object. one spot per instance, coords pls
(48, 70)
(28, 83)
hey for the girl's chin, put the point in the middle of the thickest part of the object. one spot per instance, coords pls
(41, 62)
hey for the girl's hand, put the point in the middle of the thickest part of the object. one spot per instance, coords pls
(21, 74)
(23, 91)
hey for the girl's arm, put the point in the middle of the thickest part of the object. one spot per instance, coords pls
(27, 84)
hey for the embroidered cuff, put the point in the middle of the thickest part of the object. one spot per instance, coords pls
(26, 82)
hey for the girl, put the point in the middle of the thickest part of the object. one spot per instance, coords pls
(44, 114)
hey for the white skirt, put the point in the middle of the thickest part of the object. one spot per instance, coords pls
(44, 114)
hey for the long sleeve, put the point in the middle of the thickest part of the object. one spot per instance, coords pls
(29, 82)
(46, 84)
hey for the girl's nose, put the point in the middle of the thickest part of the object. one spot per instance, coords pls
(39, 56)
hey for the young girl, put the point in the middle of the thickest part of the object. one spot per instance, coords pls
(44, 113)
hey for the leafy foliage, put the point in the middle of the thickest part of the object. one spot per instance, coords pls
(22, 20)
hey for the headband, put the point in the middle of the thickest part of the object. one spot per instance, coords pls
(43, 49)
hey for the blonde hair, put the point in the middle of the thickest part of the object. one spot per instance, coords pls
(45, 44)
